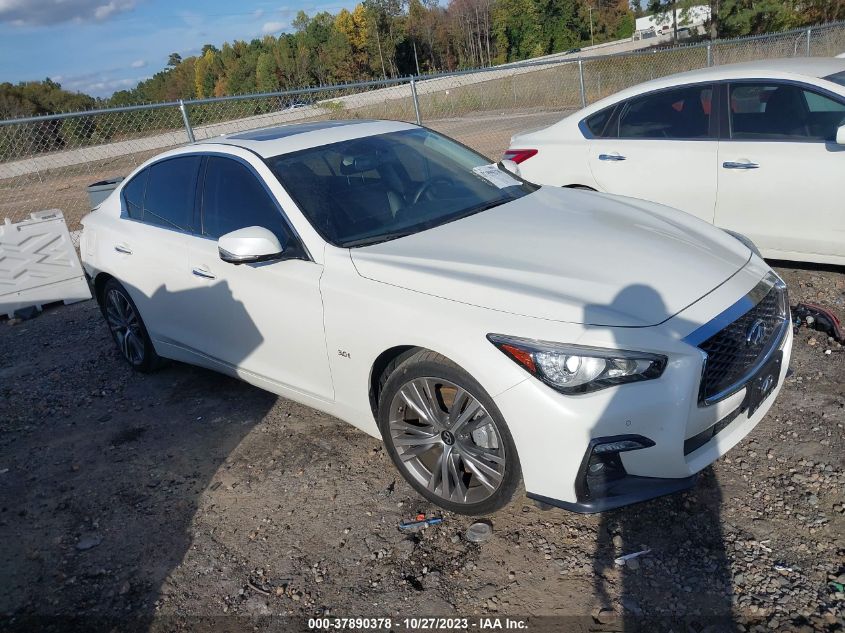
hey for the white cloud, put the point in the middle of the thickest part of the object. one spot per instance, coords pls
(273, 27)
(258, 13)
(139, 63)
(43, 12)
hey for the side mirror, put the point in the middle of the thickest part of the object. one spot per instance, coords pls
(248, 245)
(840, 135)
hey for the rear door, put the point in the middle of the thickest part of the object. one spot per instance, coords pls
(780, 171)
(158, 214)
(662, 147)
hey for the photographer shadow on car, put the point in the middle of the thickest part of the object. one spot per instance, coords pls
(682, 579)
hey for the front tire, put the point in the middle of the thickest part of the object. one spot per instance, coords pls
(446, 435)
(127, 328)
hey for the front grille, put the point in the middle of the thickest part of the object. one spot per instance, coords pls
(733, 352)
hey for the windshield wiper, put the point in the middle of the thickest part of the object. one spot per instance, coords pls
(385, 237)
(375, 239)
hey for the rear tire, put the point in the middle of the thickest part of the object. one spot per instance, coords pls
(446, 436)
(127, 328)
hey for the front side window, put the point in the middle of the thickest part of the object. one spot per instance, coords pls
(233, 198)
(171, 188)
(386, 186)
(680, 113)
(133, 195)
(760, 111)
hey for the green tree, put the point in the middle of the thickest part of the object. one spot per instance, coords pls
(266, 73)
(174, 60)
(207, 71)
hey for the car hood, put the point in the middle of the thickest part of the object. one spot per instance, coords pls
(564, 255)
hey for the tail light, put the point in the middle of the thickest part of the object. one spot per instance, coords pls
(519, 155)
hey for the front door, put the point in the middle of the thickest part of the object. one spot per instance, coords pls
(265, 318)
(780, 171)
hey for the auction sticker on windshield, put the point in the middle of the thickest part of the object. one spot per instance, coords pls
(495, 176)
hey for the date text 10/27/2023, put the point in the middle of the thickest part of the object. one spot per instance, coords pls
(418, 624)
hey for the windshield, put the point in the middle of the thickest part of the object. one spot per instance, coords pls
(837, 78)
(377, 188)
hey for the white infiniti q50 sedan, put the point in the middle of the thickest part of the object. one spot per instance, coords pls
(756, 147)
(601, 350)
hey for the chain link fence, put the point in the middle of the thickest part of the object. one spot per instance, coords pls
(48, 161)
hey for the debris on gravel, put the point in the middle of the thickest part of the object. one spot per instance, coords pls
(185, 493)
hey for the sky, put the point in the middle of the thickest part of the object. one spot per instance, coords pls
(100, 46)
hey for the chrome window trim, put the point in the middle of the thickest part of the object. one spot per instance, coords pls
(717, 83)
(728, 316)
(582, 124)
(820, 90)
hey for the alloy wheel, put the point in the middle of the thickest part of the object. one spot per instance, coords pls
(125, 326)
(447, 441)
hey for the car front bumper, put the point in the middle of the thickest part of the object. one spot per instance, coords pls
(555, 434)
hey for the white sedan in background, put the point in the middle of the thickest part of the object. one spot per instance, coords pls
(601, 349)
(756, 148)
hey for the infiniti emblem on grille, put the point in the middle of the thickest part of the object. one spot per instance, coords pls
(756, 333)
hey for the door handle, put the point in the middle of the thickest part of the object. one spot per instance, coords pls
(611, 157)
(123, 248)
(203, 272)
(740, 165)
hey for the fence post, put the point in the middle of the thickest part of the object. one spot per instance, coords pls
(809, 32)
(416, 100)
(581, 81)
(188, 130)
(709, 54)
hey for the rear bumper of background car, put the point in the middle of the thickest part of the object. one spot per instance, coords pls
(556, 436)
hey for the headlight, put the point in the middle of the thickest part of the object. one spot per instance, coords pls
(574, 369)
(747, 242)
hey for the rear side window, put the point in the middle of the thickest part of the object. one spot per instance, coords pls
(171, 191)
(680, 113)
(837, 78)
(598, 123)
(771, 112)
(233, 198)
(133, 195)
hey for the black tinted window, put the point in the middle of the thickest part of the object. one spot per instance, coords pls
(170, 192)
(670, 114)
(598, 124)
(837, 78)
(133, 195)
(365, 193)
(783, 112)
(233, 198)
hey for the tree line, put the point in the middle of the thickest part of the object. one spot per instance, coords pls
(392, 38)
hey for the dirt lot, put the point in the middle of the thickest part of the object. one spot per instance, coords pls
(160, 499)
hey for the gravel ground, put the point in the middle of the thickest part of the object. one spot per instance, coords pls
(161, 499)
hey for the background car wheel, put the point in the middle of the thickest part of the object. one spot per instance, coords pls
(127, 328)
(446, 435)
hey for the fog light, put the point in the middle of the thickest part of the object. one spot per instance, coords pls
(604, 468)
(620, 446)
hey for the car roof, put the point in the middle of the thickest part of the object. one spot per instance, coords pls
(766, 68)
(794, 68)
(284, 139)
